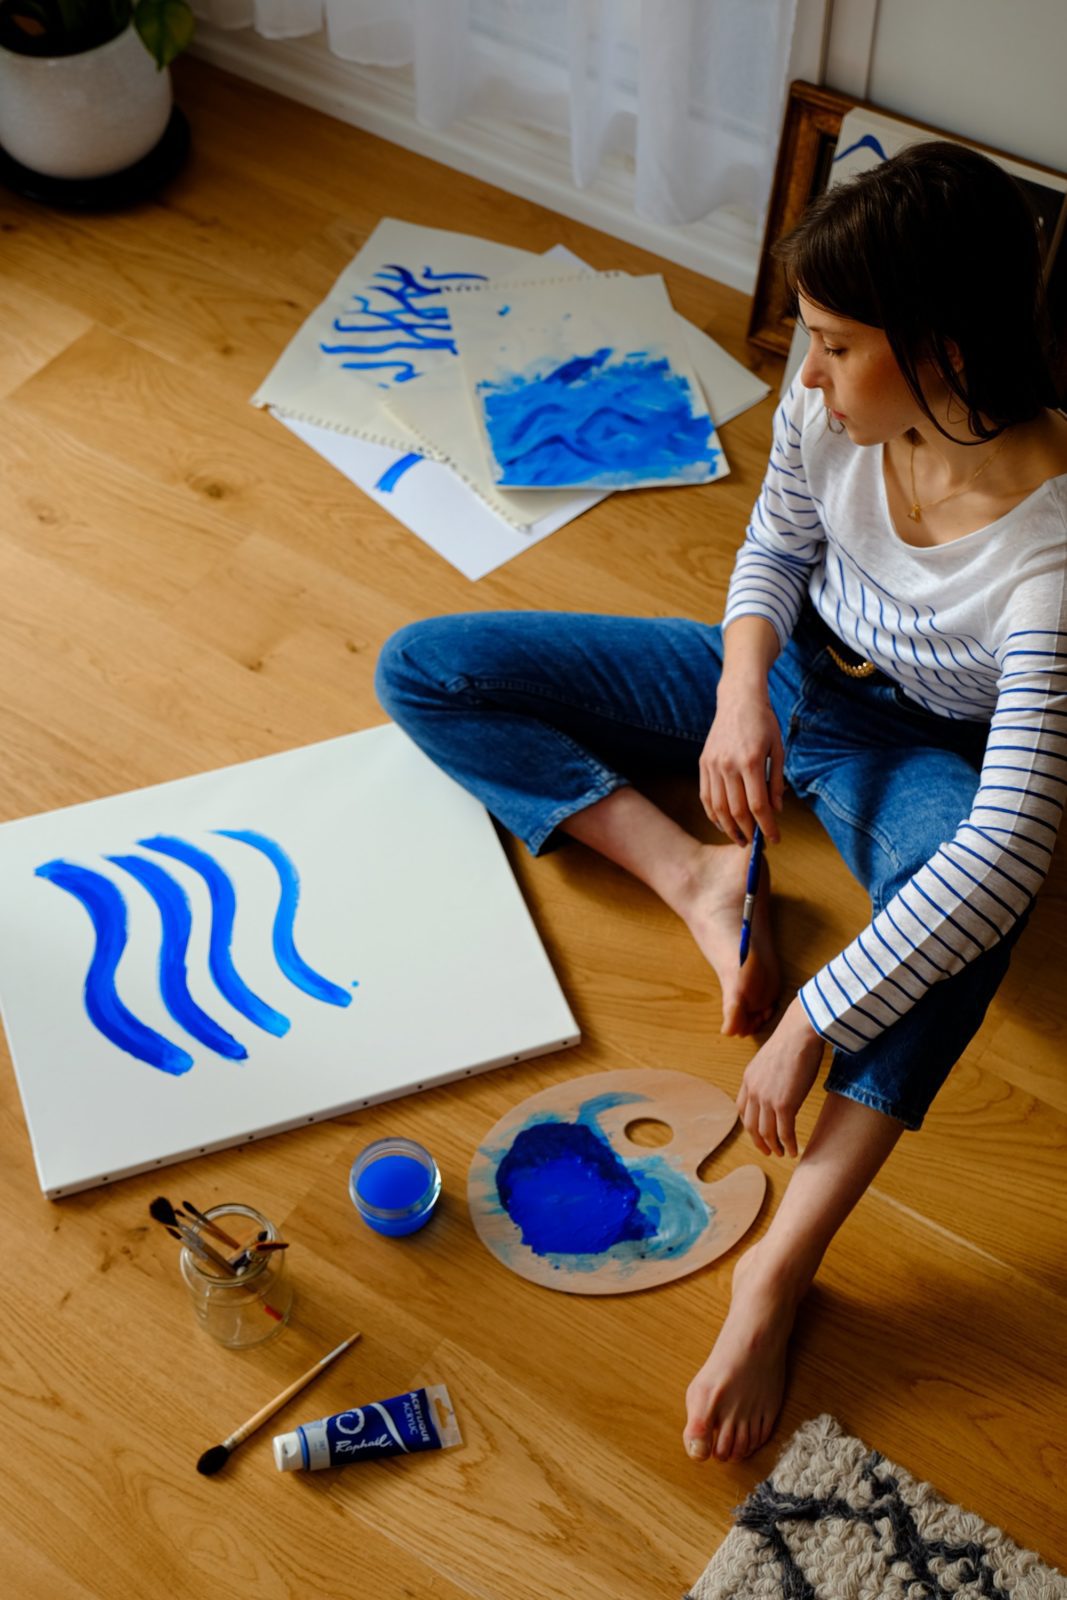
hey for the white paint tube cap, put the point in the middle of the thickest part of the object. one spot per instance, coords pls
(288, 1456)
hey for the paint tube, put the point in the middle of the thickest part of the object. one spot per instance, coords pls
(422, 1419)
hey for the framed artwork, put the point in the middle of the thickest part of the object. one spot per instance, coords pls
(812, 123)
(826, 137)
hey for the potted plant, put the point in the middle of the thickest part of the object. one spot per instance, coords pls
(85, 92)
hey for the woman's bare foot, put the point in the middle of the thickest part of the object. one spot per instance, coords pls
(704, 884)
(711, 908)
(733, 1402)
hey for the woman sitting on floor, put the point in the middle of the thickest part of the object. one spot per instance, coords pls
(894, 644)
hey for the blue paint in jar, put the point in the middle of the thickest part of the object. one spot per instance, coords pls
(394, 1185)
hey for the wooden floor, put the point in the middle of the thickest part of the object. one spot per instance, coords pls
(186, 586)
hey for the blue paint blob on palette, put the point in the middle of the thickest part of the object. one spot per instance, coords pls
(568, 1193)
(561, 1195)
(614, 420)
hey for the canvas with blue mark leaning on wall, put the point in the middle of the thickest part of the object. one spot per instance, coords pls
(584, 383)
(245, 951)
(565, 1192)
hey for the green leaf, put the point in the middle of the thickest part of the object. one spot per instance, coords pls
(166, 26)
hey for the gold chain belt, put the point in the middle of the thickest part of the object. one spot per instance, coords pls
(858, 669)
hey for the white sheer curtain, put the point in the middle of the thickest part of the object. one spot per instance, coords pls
(687, 92)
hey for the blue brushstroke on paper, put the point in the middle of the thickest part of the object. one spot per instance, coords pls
(868, 142)
(578, 1203)
(223, 897)
(598, 418)
(177, 921)
(392, 475)
(107, 912)
(289, 960)
(403, 309)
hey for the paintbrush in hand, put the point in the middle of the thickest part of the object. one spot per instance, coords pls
(215, 1459)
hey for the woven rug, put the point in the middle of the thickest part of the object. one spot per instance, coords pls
(837, 1521)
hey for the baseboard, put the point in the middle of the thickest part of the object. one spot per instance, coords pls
(517, 159)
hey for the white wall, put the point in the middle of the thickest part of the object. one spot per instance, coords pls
(990, 70)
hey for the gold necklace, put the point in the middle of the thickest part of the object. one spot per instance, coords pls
(916, 512)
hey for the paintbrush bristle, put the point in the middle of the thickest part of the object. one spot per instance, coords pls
(213, 1460)
(162, 1211)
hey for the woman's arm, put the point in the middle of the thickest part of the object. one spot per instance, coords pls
(977, 884)
(783, 543)
(734, 787)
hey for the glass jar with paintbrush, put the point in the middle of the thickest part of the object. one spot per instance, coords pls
(234, 1267)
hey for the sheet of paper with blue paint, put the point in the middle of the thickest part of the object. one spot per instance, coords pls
(584, 383)
(382, 325)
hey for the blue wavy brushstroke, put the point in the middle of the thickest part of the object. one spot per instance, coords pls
(392, 475)
(177, 920)
(228, 980)
(107, 912)
(292, 964)
(446, 277)
(868, 142)
(424, 327)
(618, 422)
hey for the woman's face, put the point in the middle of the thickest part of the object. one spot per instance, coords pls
(858, 374)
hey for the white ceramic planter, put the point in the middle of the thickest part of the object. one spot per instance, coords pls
(83, 116)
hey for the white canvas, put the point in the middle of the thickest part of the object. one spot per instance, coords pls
(584, 382)
(383, 324)
(412, 959)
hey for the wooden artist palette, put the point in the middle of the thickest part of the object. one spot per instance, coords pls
(562, 1195)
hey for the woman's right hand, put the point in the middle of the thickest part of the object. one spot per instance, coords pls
(734, 788)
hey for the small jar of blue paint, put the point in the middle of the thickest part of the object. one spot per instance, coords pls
(394, 1185)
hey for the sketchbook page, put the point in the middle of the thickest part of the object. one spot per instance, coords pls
(195, 964)
(382, 325)
(431, 501)
(584, 383)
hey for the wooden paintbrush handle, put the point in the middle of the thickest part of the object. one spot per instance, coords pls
(279, 1400)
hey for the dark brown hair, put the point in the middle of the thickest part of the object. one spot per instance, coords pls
(938, 248)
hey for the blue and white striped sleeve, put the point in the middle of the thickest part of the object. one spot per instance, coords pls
(978, 883)
(784, 539)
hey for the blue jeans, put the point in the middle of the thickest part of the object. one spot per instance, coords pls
(540, 714)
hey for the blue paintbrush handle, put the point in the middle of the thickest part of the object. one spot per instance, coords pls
(751, 885)
(752, 881)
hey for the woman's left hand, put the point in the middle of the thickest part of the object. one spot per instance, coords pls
(777, 1081)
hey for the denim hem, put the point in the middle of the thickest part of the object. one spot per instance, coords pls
(875, 1102)
(537, 841)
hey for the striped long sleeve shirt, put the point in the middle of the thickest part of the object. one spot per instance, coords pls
(973, 629)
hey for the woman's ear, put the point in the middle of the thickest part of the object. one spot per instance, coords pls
(952, 350)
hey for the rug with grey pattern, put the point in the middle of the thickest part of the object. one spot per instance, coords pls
(837, 1521)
